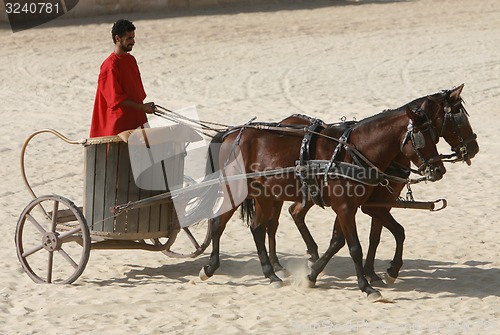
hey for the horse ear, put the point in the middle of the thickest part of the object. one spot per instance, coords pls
(455, 93)
(431, 112)
(412, 115)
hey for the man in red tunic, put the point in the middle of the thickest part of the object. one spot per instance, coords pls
(119, 99)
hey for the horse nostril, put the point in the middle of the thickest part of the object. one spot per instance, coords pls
(440, 172)
(437, 173)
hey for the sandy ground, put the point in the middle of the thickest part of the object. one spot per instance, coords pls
(350, 59)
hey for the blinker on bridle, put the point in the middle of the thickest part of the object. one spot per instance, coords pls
(415, 133)
(458, 120)
(417, 139)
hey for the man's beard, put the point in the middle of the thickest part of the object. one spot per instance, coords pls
(126, 48)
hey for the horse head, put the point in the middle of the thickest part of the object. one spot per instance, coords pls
(448, 113)
(419, 144)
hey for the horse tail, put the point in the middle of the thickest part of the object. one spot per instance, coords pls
(248, 210)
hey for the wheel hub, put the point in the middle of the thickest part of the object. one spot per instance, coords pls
(51, 241)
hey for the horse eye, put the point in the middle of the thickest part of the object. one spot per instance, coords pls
(419, 140)
(460, 119)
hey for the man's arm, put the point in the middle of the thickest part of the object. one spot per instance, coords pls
(148, 107)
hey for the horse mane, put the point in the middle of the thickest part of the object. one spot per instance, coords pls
(416, 103)
(380, 115)
(413, 105)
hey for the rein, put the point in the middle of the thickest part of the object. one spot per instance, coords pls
(204, 126)
(388, 177)
(201, 126)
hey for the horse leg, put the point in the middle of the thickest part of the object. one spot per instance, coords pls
(271, 235)
(298, 214)
(382, 216)
(375, 232)
(348, 225)
(346, 218)
(259, 237)
(218, 226)
(397, 262)
(265, 214)
(336, 243)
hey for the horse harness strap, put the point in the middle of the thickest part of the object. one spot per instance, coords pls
(362, 170)
(344, 170)
(308, 169)
(359, 171)
(309, 182)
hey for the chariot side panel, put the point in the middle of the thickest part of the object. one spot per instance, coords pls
(109, 181)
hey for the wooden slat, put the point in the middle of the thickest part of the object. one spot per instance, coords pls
(110, 186)
(176, 178)
(145, 223)
(165, 212)
(133, 195)
(144, 213)
(100, 182)
(174, 221)
(89, 184)
(154, 215)
(122, 186)
(174, 166)
(179, 168)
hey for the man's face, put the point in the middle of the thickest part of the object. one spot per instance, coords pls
(126, 42)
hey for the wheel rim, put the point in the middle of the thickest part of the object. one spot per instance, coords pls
(52, 245)
(189, 242)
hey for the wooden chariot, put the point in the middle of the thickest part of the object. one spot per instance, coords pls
(54, 236)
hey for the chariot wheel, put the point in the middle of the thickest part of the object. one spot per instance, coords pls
(52, 240)
(189, 242)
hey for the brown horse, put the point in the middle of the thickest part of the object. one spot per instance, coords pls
(376, 141)
(449, 115)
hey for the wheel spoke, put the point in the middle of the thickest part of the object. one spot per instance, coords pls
(68, 258)
(49, 267)
(36, 224)
(69, 233)
(54, 231)
(32, 250)
(192, 238)
(54, 216)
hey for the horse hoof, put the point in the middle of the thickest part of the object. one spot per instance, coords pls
(283, 273)
(375, 296)
(373, 278)
(388, 279)
(203, 275)
(310, 283)
(277, 284)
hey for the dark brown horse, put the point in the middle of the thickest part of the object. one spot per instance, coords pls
(448, 114)
(376, 141)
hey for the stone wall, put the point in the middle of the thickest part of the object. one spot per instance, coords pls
(88, 8)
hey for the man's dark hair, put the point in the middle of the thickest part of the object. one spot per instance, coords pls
(120, 28)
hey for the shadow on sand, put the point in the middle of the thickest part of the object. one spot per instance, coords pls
(471, 279)
(229, 9)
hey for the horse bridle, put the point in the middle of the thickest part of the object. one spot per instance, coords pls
(417, 140)
(458, 120)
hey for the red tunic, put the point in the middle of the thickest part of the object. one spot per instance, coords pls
(119, 79)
